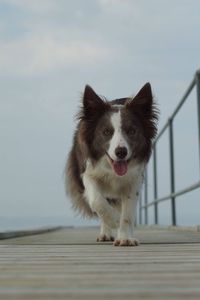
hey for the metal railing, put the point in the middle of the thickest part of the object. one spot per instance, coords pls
(173, 193)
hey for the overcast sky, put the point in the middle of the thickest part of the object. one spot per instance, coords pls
(49, 50)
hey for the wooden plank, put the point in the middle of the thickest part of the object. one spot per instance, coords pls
(88, 236)
(21, 233)
(96, 272)
(36, 270)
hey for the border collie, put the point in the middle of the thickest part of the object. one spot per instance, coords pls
(104, 172)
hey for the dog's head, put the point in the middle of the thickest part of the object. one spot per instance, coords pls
(122, 129)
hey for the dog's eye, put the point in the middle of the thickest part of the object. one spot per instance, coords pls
(131, 131)
(107, 132)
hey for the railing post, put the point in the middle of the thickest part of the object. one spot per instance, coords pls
(197, 78)
(155, 185)
(172, 174)
(140, 208)
(146, 197)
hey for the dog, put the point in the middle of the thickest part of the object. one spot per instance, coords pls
(111, 147)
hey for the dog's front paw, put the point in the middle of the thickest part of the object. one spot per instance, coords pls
(105, 238)
(126, 242)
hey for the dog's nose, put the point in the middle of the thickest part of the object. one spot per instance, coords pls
(121, 152)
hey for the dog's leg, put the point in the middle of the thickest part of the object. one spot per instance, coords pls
(105, 233)
(125, 231)
(99, 204)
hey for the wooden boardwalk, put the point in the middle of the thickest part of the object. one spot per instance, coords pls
(69, 264)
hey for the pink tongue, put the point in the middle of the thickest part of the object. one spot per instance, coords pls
(120, 167)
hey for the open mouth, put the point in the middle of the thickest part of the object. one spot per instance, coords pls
(120, 167)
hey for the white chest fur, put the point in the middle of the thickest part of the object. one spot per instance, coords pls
(110, 184)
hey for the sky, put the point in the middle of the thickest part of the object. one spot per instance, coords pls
(49, 50)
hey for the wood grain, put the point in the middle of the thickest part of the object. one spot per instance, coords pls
(68, 264)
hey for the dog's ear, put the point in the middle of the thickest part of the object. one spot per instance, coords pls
(144, 96)
(143, 101)
(144, 106)
(92, 103)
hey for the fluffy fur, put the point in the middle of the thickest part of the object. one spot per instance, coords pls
(111, 147)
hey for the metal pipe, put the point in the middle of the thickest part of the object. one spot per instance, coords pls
(182, 101)
(146, 197)
(173, 194)
(176, 194)
(161, 132)
(180, 104)
(140, 209)
(155, 185)
(197, 77)
(172, 174)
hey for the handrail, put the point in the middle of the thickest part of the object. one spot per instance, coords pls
(174, 194)
(182, 101)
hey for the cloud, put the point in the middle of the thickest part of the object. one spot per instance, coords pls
(42, 37)
(35, 54)
(119, 5)
(36, 6)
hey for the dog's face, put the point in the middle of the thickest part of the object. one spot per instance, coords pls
(122, 130)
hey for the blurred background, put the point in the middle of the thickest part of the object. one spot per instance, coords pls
(49, 50)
